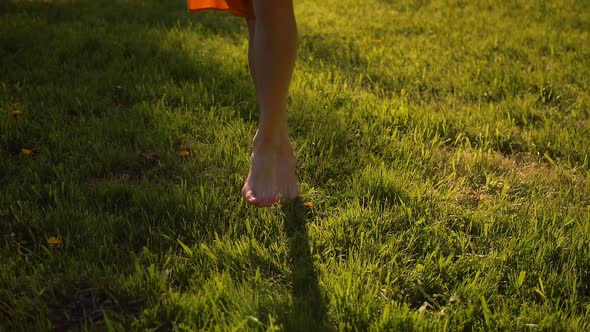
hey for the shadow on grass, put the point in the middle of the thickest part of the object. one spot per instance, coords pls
(86, 75)
(308, 309)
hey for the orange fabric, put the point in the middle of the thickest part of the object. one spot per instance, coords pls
(242, 8)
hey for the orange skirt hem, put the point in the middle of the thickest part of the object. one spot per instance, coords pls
(242, 8)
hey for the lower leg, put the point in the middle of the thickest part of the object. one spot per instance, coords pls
(273, 56)
(273, 42)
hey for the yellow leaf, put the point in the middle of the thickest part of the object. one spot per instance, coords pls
(54, 240)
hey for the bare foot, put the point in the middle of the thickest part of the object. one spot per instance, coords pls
(272, 173)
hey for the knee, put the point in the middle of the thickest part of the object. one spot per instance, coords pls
(275, 13)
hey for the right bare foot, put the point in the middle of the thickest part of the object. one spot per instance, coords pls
(272, 173)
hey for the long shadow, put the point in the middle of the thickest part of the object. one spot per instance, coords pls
(308, 308)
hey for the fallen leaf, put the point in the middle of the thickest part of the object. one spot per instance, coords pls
(54, 241)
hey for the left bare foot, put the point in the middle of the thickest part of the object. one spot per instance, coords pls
(272, 173)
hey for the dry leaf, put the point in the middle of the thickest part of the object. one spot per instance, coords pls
(54, 241)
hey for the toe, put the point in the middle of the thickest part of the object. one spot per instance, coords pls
(249, 196)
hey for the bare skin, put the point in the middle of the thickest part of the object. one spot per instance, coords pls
(271, 55)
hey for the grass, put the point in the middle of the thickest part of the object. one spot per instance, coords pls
(444, 146)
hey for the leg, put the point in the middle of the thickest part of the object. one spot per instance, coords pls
(273, 43)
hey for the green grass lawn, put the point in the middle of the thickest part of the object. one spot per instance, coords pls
(444, 147)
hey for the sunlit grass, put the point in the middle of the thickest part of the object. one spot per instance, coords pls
(443, 162)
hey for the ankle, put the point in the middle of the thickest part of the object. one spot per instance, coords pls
(270, 137)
